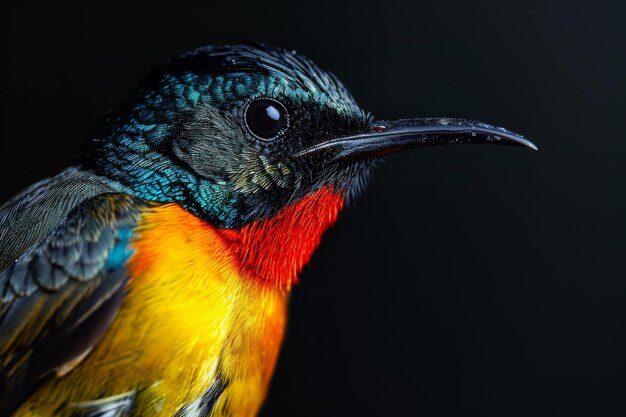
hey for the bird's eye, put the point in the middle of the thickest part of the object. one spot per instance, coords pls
(266, 118)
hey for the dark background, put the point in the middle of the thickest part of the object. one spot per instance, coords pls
(469, 280)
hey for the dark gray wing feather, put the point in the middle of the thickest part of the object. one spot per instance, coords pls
(36, 211)
(59, 297)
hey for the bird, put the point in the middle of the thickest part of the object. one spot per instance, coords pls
(152, 277)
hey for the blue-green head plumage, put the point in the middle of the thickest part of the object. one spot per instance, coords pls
(185, 136)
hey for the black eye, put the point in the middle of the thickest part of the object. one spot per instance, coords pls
(266, 118)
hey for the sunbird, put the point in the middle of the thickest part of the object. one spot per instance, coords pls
(152, 277)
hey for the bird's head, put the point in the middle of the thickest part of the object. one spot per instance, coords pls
(254, 137)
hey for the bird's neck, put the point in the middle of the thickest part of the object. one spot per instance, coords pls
(274, 250)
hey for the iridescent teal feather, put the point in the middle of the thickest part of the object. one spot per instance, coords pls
(131, 145)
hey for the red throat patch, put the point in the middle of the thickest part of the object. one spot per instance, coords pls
(274, 250)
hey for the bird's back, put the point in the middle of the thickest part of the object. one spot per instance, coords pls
(37, 210)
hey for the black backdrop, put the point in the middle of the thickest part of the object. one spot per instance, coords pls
(469, 280)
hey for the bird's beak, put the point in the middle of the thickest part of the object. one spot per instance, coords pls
(387, 137)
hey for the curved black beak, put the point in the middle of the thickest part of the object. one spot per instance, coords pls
(388, 137)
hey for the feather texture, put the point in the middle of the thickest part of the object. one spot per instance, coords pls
(59, 297)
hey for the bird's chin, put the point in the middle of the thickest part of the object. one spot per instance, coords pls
(351, 178)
